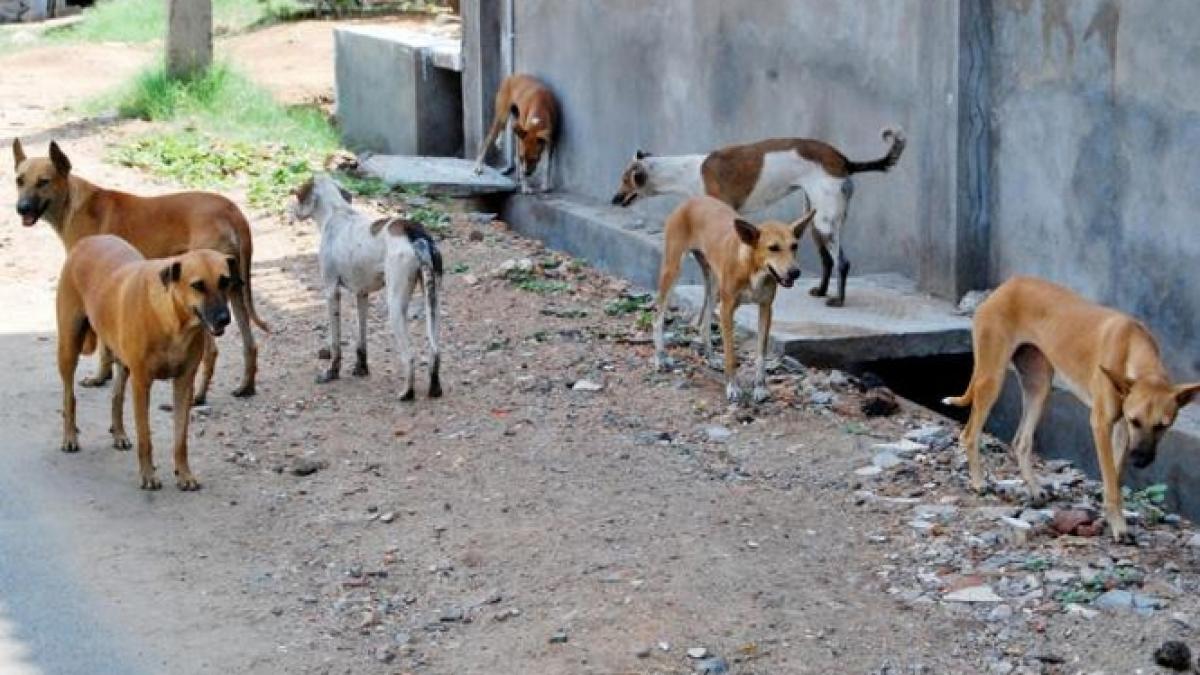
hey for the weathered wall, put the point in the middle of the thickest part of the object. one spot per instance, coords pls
(1096, 168)
(685, 76)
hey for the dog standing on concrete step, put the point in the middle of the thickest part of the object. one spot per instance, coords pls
(157, 227)
(534, 113)
(156, 316)
(742, 264)
(363, 255)
(1109, 360)
(752, 177)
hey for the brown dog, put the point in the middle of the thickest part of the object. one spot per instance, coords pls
(534, 113)
(742, 263)
(158, 227)
(155, 316)
(1109, 360)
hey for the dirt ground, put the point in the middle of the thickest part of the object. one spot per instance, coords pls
(524, 523)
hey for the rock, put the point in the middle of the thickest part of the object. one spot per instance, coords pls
(1079, 610)
(1000, 613)
(470, 280)
(387, 517)
(402, 638)
(886, 460)
(643, 653)
(926, 435)
(718, 433)
(1174, 655)
(1070, 521)
(665, 646)
(306, 467)
(1037, 516)
(940, 512)
(1060, 576)
(982, 593)
(871, 470)
(712, 666)
(1194, 542)
(559, 638)
(475, 235)
(385, 655)
(586, 385)
(1114, 600)
(971, 301)
(697, 652)
(902, 448)
(1000, 667)
(1016, 523)
(1147, 604)
(821, 398)
(1183, 620)
(879, 402)
(452, 615)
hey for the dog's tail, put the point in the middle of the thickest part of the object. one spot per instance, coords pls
(961, 401)
(896, 138)
(424, 246)
(88, 339)
(245, 253)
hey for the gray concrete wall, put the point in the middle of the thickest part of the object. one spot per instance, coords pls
(1096, 168)
(684, 76)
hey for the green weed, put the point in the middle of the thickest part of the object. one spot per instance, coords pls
(146, 20)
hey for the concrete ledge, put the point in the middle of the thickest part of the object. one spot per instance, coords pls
(449, 176)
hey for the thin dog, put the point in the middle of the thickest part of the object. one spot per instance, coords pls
(754, 176)
(1109, 360)
(364, 255)
(158, 227)
(155, 316)
(534, 113)
(742, 264)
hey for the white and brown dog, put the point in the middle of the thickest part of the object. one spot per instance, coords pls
(742, 264)
(534, 113)
(363, 255)
(1109, 360)
(754, 176)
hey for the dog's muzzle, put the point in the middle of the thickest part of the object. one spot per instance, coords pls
(215, 319)
(786, 281)
(1143, 455)
(623, 199)
(30, 209)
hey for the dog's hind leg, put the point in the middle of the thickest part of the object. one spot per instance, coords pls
(729, 342)
(992, 350)
(206, 374)
(70, 340)
(672, 256)
(399, 291)
(104, 369)
(241, 314)
(360, 349)
(432, 330)
(1036, 375)
(761, 393)
(117, 427)
(822, 243)
(333, 301)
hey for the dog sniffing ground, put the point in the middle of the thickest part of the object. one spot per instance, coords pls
(563, 508)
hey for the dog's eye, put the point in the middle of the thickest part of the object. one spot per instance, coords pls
(1160, 427)
(20, 181)
(1135, 424)
(223, 282)
(795, 246)
(42, 182)
(198, 285)
(773, 248)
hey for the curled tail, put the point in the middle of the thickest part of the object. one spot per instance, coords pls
(245, 253)
(961, 401)
(898, 141)
(88, 340)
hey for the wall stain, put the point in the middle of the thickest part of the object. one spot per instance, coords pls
(1104, 25)
(1054, 15)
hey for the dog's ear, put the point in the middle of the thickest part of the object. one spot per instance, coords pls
(641, 154)
(171, 273)
(801, 225)
(519, 131)
(746, 231)
(514, 111)
(61, 163)
(1121, 383)
(235, 275)
(18, 154)
(346, 194)
(1184, 393)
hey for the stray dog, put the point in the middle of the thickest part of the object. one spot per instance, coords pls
(156, 317)
(742, 264)
(752, 177)
(1109, 360)
(158, 227)
(364, 255)
(534, 113)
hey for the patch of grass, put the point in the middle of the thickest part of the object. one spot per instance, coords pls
(431, 217)
(364, 186)
(460, 268)
(1147, 501)
(628, 303)
(146, 20)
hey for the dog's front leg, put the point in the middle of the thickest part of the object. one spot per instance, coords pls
(120, 438)
(1102, 429)
(545, 181)
(732, 391)
(184, 479)
(141, 418)
(103, 369)
(333, 300)
(822, 243)
(761, 393)
(360, 350)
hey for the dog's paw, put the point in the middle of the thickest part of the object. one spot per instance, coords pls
(121, 442)
(97, 380)
(327, 376)
(408, 395)
(478, 170)
(151, 482)
(760, 393)
(435, 389)
(663, 363)
(200, 399)
(70, 445)
(360, 370)
(244, 391)
(1038, 498)
(817, 292)
(187, 483)
(733, 393)
(835, 302)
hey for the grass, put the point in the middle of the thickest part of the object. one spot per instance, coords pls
(146, 20)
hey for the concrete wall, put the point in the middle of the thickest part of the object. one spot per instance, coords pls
(685, 76)
(1096, 168)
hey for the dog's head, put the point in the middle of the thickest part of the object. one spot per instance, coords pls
(41, 182)
(775, 247)
(310, 194)
(532, 141)
(199, 283)
(633, 181)
(1149, 406)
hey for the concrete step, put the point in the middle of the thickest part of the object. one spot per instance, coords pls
(885, 316)
(448, 176)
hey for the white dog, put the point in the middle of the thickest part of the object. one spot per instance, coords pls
(363, 255)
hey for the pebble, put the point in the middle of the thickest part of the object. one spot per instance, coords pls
(452, 615)
(871, 470)
(1194, 542)
(886, 460)
(697, 652)
(903, 448)
(982, 593)
(712, 666)
(586, 385)
(306, 467)
(1000, 613)
(558, 638)
(1114, 599)
(643, 653)
(941, 512)
(926, 435)
(821, 398)
(1174, 655)
(718, 433)
(1075, 609)
(1015, 523)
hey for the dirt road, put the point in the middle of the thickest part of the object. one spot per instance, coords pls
(521, 524)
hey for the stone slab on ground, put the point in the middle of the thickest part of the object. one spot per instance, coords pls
(440, 175)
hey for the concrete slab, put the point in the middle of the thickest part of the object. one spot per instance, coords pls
(885, 317)
(449, 176)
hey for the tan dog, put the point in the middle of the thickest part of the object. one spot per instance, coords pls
(154, 316)
(158, 227)
(534, 113)
(742, 263)
(1109, 360)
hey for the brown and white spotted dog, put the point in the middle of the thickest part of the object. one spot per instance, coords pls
(754, 176)
(534, 113)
